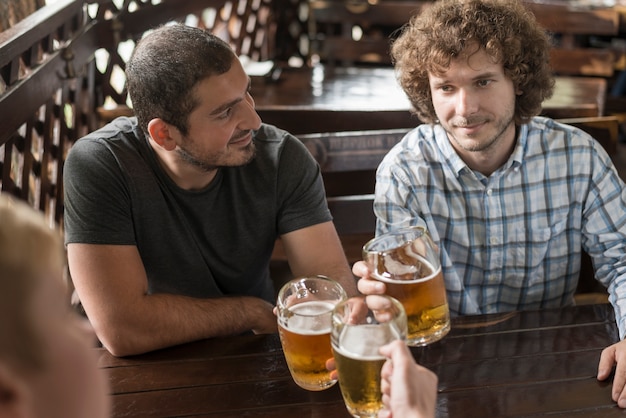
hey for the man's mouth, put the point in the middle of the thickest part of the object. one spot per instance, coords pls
(241, 138)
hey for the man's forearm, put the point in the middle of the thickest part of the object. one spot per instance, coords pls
(346, 279)
(163, 320)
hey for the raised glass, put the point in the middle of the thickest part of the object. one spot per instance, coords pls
(361, 325)
(304, 308)
(407, 261)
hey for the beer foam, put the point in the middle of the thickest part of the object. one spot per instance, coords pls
(386, 277)
(362, 342)
(310, 318)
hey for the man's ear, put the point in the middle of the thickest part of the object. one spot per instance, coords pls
(163, 134)
(15, 398)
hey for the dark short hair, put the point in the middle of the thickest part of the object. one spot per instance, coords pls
(164, 68)
(504, 28)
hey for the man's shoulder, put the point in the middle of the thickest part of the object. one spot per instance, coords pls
(271, 133)
(555, 132)
(115, 144)
(271, 140)
(546, 124)
(117, 133)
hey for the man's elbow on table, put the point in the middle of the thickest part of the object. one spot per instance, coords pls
(165, 320)
(120, 338)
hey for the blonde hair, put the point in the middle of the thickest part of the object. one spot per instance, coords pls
(30, 251)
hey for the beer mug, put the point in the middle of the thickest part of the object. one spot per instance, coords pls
(360, 326)
(408, 262)
(304, 308)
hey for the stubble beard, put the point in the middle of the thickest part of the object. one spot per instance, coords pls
(211, 163)
(481, 146)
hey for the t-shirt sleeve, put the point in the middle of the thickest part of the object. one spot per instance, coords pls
(96, 197)
(301, 189)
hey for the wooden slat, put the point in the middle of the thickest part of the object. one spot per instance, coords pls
(572, 28)
(28, 95)
(565, 18)
(304, 120)
(28, 32)
(598, 62)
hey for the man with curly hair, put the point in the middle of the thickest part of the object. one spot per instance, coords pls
(511, 198)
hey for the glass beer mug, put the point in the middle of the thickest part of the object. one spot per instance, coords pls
(304, 308)
(408, 262)
(360, 326)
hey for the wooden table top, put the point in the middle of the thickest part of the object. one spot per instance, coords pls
(534, 363)
(306, 100)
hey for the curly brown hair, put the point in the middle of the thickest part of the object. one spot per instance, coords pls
(504, 28)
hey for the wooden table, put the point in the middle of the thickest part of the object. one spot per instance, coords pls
(321, 99)
(529, 364)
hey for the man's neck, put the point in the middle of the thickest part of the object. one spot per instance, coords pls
(186, 176)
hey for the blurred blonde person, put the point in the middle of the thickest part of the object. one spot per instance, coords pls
(47, 364)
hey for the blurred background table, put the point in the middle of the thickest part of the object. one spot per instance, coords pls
(322, 99)
(535, 363)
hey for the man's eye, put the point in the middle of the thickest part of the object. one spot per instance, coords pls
(225, 114)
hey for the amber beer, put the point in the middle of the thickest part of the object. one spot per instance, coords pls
(416, 282)
(305, 338)
(359, 364)
(304, 310)
(360, 326)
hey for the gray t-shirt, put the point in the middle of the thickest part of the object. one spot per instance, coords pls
(213, 242)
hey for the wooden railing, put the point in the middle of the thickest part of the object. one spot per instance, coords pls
(44, 100)
(58, 65)
(13, 11)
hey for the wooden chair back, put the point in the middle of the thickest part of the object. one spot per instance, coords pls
(348, 161)
(605, 129)
(573, 30)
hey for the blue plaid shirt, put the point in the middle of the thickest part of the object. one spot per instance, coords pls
(512, 240)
